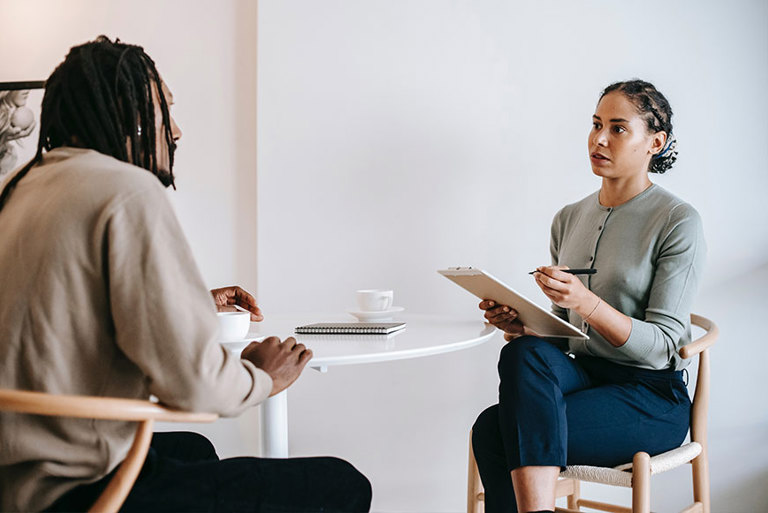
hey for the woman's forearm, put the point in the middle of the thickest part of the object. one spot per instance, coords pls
(613, 325)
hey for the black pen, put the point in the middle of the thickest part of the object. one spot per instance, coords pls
(572, 271)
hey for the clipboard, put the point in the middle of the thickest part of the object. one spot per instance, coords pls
(485, 286)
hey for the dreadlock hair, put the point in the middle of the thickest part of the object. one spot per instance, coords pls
(101, 97)
(655, 109)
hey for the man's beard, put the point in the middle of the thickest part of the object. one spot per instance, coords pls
(166, 177)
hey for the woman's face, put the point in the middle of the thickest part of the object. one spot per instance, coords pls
(619, 143)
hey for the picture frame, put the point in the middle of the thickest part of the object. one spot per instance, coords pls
(20, 105)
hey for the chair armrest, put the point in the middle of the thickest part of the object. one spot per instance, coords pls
(703, 342)
(104, 408)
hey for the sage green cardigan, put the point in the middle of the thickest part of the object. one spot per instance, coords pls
(649, 253)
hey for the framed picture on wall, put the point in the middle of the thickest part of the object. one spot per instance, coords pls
(19, 123)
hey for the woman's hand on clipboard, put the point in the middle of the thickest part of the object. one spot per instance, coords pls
(503, 317)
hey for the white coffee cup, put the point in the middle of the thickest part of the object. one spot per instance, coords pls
(374, 300)
(234, 325)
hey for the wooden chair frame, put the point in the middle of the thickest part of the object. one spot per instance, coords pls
(105, 408)
(641, 463)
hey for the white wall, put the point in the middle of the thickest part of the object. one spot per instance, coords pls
(396, 138)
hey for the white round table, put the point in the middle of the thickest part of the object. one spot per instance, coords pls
(424, 335)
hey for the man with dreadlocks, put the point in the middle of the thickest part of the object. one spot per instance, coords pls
(100, 295)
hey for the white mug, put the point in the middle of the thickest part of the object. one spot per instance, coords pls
(374, 300)
(234, 325)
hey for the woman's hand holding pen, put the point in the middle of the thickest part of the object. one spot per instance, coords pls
(566, 290)
(504, 318)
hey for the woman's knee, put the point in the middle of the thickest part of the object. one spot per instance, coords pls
(486, 434)
(521, 351)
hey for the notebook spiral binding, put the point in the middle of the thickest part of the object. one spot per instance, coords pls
(350, 328)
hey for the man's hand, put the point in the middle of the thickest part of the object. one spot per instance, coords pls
(227, 297)
(283, 361)
(504, 318)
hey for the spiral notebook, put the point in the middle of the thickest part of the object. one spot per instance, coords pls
(347, 328)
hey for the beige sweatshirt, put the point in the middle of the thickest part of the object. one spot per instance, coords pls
(100, 295)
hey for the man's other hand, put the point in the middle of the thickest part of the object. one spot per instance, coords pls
(283, 361)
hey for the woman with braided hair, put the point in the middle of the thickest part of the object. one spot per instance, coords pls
(599, 401)
(101, 296)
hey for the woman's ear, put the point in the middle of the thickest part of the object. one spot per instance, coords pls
(658, 140)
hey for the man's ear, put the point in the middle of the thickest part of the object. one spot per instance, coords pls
(658, 140)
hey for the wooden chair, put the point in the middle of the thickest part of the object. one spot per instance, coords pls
(104, 408)
(637, 475)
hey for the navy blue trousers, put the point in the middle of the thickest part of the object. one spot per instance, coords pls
(555, 410)
(183, 473)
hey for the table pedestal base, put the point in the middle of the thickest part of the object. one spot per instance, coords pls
(274, 426)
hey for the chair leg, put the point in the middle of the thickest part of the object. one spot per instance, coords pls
(570, 489)
(573, 499)
(641, 483)
(700, 468)
(475, 502)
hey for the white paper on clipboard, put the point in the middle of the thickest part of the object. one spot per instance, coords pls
(485, 286)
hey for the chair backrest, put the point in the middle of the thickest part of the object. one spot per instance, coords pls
(105, 408)
(700, 465)
(88, 407)
(700, 347)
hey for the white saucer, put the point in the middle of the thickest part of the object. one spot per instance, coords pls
(250, 337)
(383, 315)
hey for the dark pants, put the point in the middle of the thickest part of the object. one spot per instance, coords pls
(555, 411)
(183, 473)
